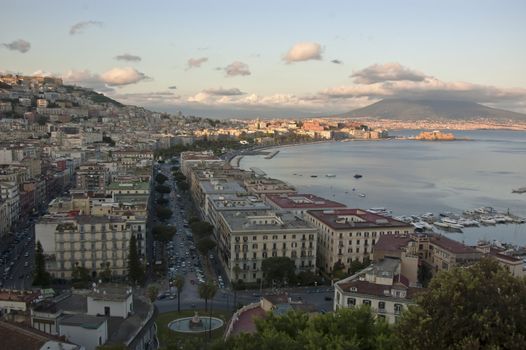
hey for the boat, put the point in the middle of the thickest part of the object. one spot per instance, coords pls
(361, 195)
(330, 175)
(488, 221)
(441, 224)
(519, 190)
(314, 176)
(358, 176)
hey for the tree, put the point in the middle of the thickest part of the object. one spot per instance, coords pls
(80, 276)
(41, 278)
(235, 283)
(207, 291)
(204, 245)
(346, 328)
(162, 201)
(202, 228)
(163, 213)
(163, 233)
(280, 269)
(163, 189)
(183, 185)
(338, 270)
(478, 307)
(160, 178)
(179, 284)
(135, 269)
(152, 292)
(105, 274)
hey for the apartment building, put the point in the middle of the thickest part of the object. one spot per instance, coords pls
(87, 241)
(92, 177)
(263, 187)
(298, 204)
(246, 238)
(192, 159)
(11, 196)
(380, 286)
(350, 234)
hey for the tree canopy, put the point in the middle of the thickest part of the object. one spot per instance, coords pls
(163, 189)
(279, 269)
(204, 245)
(135, 269)
(207, 291)
(163, 233)
(478, 307)
(202, 228)
(163, 213)
(41, 278)
(344, 329)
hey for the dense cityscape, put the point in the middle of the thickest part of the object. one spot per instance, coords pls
(233, 218)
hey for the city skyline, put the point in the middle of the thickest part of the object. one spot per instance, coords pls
(273, 59)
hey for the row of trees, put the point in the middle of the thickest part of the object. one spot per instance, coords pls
(479, 307)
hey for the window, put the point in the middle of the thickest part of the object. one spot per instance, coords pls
(398, 308)
(366, 302)
(381, 305)
(351, 301)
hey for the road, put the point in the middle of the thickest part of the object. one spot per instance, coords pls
(15, 255)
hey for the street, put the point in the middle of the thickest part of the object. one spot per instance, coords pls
(17, 260)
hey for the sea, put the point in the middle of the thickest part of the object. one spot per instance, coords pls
(413, 177)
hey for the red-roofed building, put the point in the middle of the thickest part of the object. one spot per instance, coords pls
(350, 234)
(382, 286)
(514, 265)
(298, 204)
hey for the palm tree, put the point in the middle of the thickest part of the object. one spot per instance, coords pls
(207, 291)
(179, 284)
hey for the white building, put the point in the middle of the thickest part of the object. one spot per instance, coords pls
(88, 331)
(380, 286)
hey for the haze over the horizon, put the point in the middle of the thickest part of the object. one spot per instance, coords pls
(237, 58)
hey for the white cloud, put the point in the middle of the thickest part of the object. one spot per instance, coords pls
(303, 52)
(224, 92)
(85, 78)
(43, 73)
(237, 68)
(122, 76)
(386, 72)
(196, 62)
(128, 57)
(79, 27)
(19, 45)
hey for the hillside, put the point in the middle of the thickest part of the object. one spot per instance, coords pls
(402, 109)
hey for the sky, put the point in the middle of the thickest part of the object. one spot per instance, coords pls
(272, 58)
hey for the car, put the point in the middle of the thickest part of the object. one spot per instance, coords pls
(26, 264)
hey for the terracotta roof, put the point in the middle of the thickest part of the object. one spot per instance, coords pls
(451, 245)
(303, 201)
(336, 219)
(15, 337)
(18, 296)
(392, 243)
(379, 290)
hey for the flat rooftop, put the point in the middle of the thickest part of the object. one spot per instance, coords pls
(221, 186)
(264, 220)
(110, 292)
(303, 201)
(342, 219)
(25, 296)
(84, 321)
(229, 201)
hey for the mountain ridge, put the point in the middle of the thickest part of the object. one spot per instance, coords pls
(409, 109)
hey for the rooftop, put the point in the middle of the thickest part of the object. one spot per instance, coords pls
(221, 186)
(84, 321)
(16, 337)
(451, 246)
(111, 292)
(25, 296)
(303, 201)
(342, 219)
(392, 243)
(230, 201)
(136, 185)
(264, 220)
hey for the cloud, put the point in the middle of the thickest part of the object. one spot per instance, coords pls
(128, 57)
(303, 52)
(335, 61)
(42, 73)
(85, 78)
(405, 83)
(386, 72)
(79, 27)
(237, 68)
(123, 76)
(19, 45)
(173, 87)
(195, 62)
(224, 92)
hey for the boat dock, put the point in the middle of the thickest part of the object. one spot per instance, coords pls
(258, 171)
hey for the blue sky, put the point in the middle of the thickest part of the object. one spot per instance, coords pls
(457, 49)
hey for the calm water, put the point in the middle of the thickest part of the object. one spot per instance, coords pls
(414, 177)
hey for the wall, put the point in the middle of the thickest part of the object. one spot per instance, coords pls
(88, 338)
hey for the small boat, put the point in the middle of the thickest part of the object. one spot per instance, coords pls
(361, 195)
(330, 175)
(487, 221)
(314, 176)
(358, 176)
